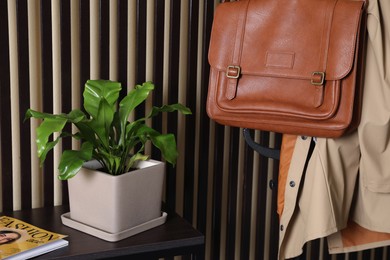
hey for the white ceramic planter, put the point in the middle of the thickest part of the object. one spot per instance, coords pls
(116, 203)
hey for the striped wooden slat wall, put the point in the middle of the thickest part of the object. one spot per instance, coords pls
(49, 48)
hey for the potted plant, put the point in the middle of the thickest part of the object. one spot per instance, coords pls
(113, 186)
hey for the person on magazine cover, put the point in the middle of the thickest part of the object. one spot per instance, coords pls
(8, 236)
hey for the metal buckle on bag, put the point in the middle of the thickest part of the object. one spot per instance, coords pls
(233, 72)
(318, 78)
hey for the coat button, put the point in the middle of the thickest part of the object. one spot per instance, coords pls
(292, 184)
(303, 137)
(271, 184)
(281, 227)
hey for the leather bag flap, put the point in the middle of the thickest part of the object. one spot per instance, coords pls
(286, 38)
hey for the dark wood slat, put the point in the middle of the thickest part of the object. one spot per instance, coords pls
(158, 66)
(378, 253)
(353, 256)
(204, 120)
(274, 238)
(315, 249)
(66, 76)
(122, 46)
(104, 39)
(85, 69)
(173, 87)
(24, 101)
(192, 53)
(140, 52)
(47, 93)
(140, 48)
(246, 203)
(303, 256)
(366, 254)
(217, 191)
(174, 53)
(232, 193)
(261, 202)
(5, 111)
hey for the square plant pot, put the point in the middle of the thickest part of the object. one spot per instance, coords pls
(116, 203)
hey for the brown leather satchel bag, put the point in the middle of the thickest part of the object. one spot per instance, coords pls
(288, 66)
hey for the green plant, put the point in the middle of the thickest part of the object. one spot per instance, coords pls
(105, 132)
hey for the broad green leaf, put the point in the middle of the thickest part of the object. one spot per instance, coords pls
(51, 123)
(47, 128)
(131, 101)
(96, 90)
(116, 126)
(87, 133)
(133, 159)
(72, 161)
(166, 143)
(76, 116)
(170, 108)
(36, 114)
(49, 146)
(166, 108)
(135, 97)
(102, 123)
(132, 128)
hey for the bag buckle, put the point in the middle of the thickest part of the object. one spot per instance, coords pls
(318, 78)
(233, 72)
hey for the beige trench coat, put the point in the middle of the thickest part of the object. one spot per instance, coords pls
(342, 191)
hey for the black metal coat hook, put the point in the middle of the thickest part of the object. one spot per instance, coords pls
(265, 151)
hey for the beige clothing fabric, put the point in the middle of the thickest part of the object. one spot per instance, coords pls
(347, 178)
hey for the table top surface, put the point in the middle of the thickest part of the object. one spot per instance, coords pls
(174, 235)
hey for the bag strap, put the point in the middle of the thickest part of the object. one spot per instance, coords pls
(233, 71)
(265, 151)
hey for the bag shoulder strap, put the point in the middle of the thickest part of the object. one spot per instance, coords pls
(233, 70)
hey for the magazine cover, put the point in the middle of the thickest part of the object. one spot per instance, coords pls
(21, 240)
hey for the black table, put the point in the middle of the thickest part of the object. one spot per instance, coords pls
(175, 237)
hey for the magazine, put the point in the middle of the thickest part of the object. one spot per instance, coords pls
(21, 240)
